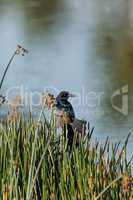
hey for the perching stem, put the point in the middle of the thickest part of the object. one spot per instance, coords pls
(3, 77)
(19, 50)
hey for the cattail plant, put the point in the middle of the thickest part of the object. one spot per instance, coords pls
(33, 161)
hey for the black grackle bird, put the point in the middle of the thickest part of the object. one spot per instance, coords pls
(62, 104)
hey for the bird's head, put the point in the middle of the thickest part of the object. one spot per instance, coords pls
(64, 95)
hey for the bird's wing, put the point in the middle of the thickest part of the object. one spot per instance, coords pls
(66, 107)
(69, 110)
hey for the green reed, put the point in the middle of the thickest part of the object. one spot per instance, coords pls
(30, 151)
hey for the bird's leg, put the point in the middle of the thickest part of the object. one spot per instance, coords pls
(69, 135)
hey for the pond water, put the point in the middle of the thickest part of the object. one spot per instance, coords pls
(85, 47)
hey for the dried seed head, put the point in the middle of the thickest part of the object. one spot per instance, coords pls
(16, 102)
(48, 99)
(13, 116)
(21, 50)
(126, 183)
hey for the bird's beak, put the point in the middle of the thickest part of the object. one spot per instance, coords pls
(72, 95)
